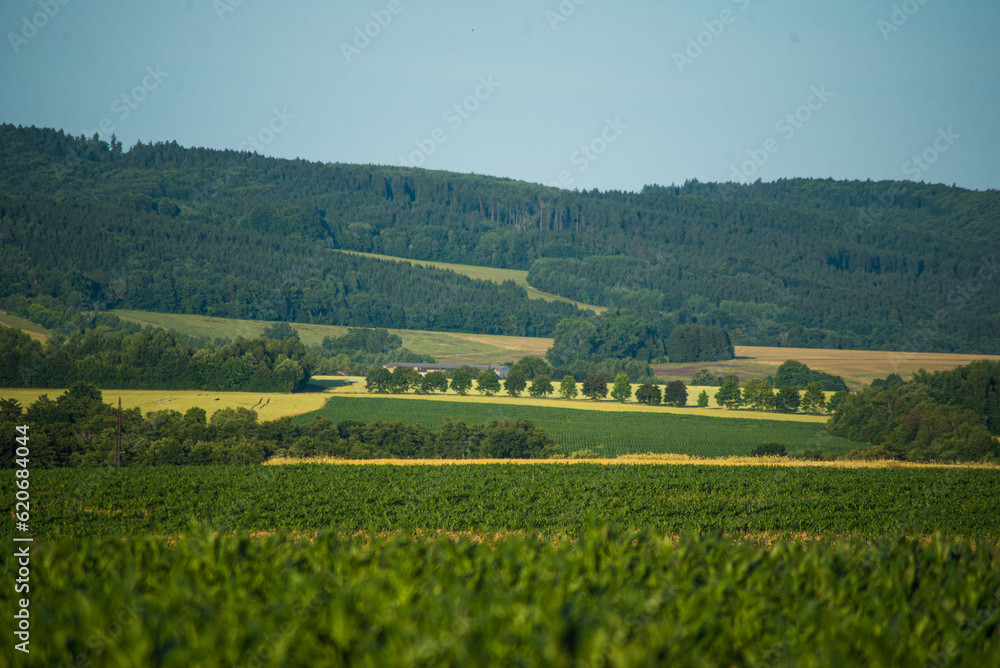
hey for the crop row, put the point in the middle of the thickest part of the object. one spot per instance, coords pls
(504, 497)
(607, 598)
(605, 432)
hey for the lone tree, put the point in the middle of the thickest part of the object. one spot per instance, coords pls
(461, 381)
(567, 388)
(541, 386)
(729, 394)
(703, 399)
(675, 394)
(515, 383)
(487, 383)
(788, 399)
(648, 394)
(622, 389)
(595, 386)
(814, 400)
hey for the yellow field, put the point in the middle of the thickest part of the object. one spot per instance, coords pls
(269, 406)
(857, 367)
(647, 459)
(519, 277)
(356, 386)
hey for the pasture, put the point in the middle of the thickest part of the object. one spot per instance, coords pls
(33, 330)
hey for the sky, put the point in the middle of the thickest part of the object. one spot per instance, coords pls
(578, 94)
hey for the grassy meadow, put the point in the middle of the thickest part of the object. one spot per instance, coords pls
(33, 330)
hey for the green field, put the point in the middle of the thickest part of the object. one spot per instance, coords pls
(608, 599)
(519, 277)
(33, 330)
(546, 498)
(607, 433)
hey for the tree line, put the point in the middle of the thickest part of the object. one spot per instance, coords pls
(77, 430)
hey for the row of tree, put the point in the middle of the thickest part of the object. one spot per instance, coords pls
(77, 429)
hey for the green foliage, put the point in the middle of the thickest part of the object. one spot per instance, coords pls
(792, 372)
(758, 394)
(890, 381)
(541, 386)
(375, 341)
(703, 399)
(153, 360)
(279, 331)
(927, 418)
(698, 343)
(567, 387)
(515, 383)
(546, 498)
(516, 600)
(461, 381)
(595, 386)
(729, 395)
(237, 234)
(487, 383)
(770, 450)
(621, 391)
(648, 394)
(532, 367)
(788, 399)
(434, 381)
(675, 394)
(706, 378)
(814, 401)
(379, 379)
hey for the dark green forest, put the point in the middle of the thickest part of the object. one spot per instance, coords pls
(944, 416)
(803, 262)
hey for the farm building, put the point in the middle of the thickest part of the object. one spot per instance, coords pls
(423, 369)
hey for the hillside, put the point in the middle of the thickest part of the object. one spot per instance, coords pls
(801, 263)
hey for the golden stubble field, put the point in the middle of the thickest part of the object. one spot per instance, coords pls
(269, 406)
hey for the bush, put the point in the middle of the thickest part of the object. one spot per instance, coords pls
(769, 450)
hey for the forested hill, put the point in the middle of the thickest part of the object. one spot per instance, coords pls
(795, 262)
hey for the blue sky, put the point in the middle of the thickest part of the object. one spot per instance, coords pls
(598, 94)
